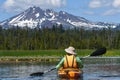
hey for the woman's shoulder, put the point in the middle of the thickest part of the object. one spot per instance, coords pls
(77, 57)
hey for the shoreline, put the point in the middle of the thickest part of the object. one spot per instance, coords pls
(29, 59)
(12, 59)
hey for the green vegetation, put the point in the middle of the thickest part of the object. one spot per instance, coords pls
(30, 53)
(36, 53)
(44, 55)
(57, 53)
(16, 38)
(113, 53)
(25, 44)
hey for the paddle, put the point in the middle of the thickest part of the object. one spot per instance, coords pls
(41, 73)
(116, 75)
(95, 53)
(98, 52)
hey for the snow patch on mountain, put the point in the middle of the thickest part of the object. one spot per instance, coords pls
(16, 19)
(37, 15)
(30, 23)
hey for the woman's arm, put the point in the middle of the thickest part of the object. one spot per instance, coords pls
(80, 64)
(60, 64)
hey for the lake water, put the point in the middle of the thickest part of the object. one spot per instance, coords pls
(92, 71)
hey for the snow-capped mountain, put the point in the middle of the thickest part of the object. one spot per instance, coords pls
(37, 17)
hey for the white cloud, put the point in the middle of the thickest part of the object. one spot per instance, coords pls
(111, 12)
(9, 3)
(100, 3)
(19, 5)
(104, 3)
(116, 3)
(95, 4)
(107, 7)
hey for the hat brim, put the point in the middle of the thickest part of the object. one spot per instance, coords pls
(70, 52)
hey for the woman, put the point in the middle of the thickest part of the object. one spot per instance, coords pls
(70, 59)
(70, 65)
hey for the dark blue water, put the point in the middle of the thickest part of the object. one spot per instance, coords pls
(21, 71)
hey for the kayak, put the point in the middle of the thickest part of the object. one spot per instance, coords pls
(70, 73)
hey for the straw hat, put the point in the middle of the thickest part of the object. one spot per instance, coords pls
(70, 50)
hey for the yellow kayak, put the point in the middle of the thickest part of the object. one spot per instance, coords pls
(70, 73)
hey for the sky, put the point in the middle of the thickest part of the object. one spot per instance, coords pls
(93, 10)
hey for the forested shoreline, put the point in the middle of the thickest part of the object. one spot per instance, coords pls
(16, 38)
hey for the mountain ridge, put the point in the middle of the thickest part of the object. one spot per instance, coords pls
(36, 17)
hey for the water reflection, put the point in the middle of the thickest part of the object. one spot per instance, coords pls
(70, 79)
(92, 71)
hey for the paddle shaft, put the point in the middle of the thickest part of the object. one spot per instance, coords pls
(41, 73)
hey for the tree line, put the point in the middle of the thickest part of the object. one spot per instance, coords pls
(57, 37)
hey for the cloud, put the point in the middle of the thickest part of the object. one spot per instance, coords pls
(95, 4)
(111, 12)
(100, 3)
(116, 3)
(107, 7)
(19, 5)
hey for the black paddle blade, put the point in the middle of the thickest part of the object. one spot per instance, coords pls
(99, 52)
(41, 73)
(37, 74)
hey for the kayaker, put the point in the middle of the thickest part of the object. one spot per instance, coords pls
(70, 60)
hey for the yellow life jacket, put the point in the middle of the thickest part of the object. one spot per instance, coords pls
(70, 61)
